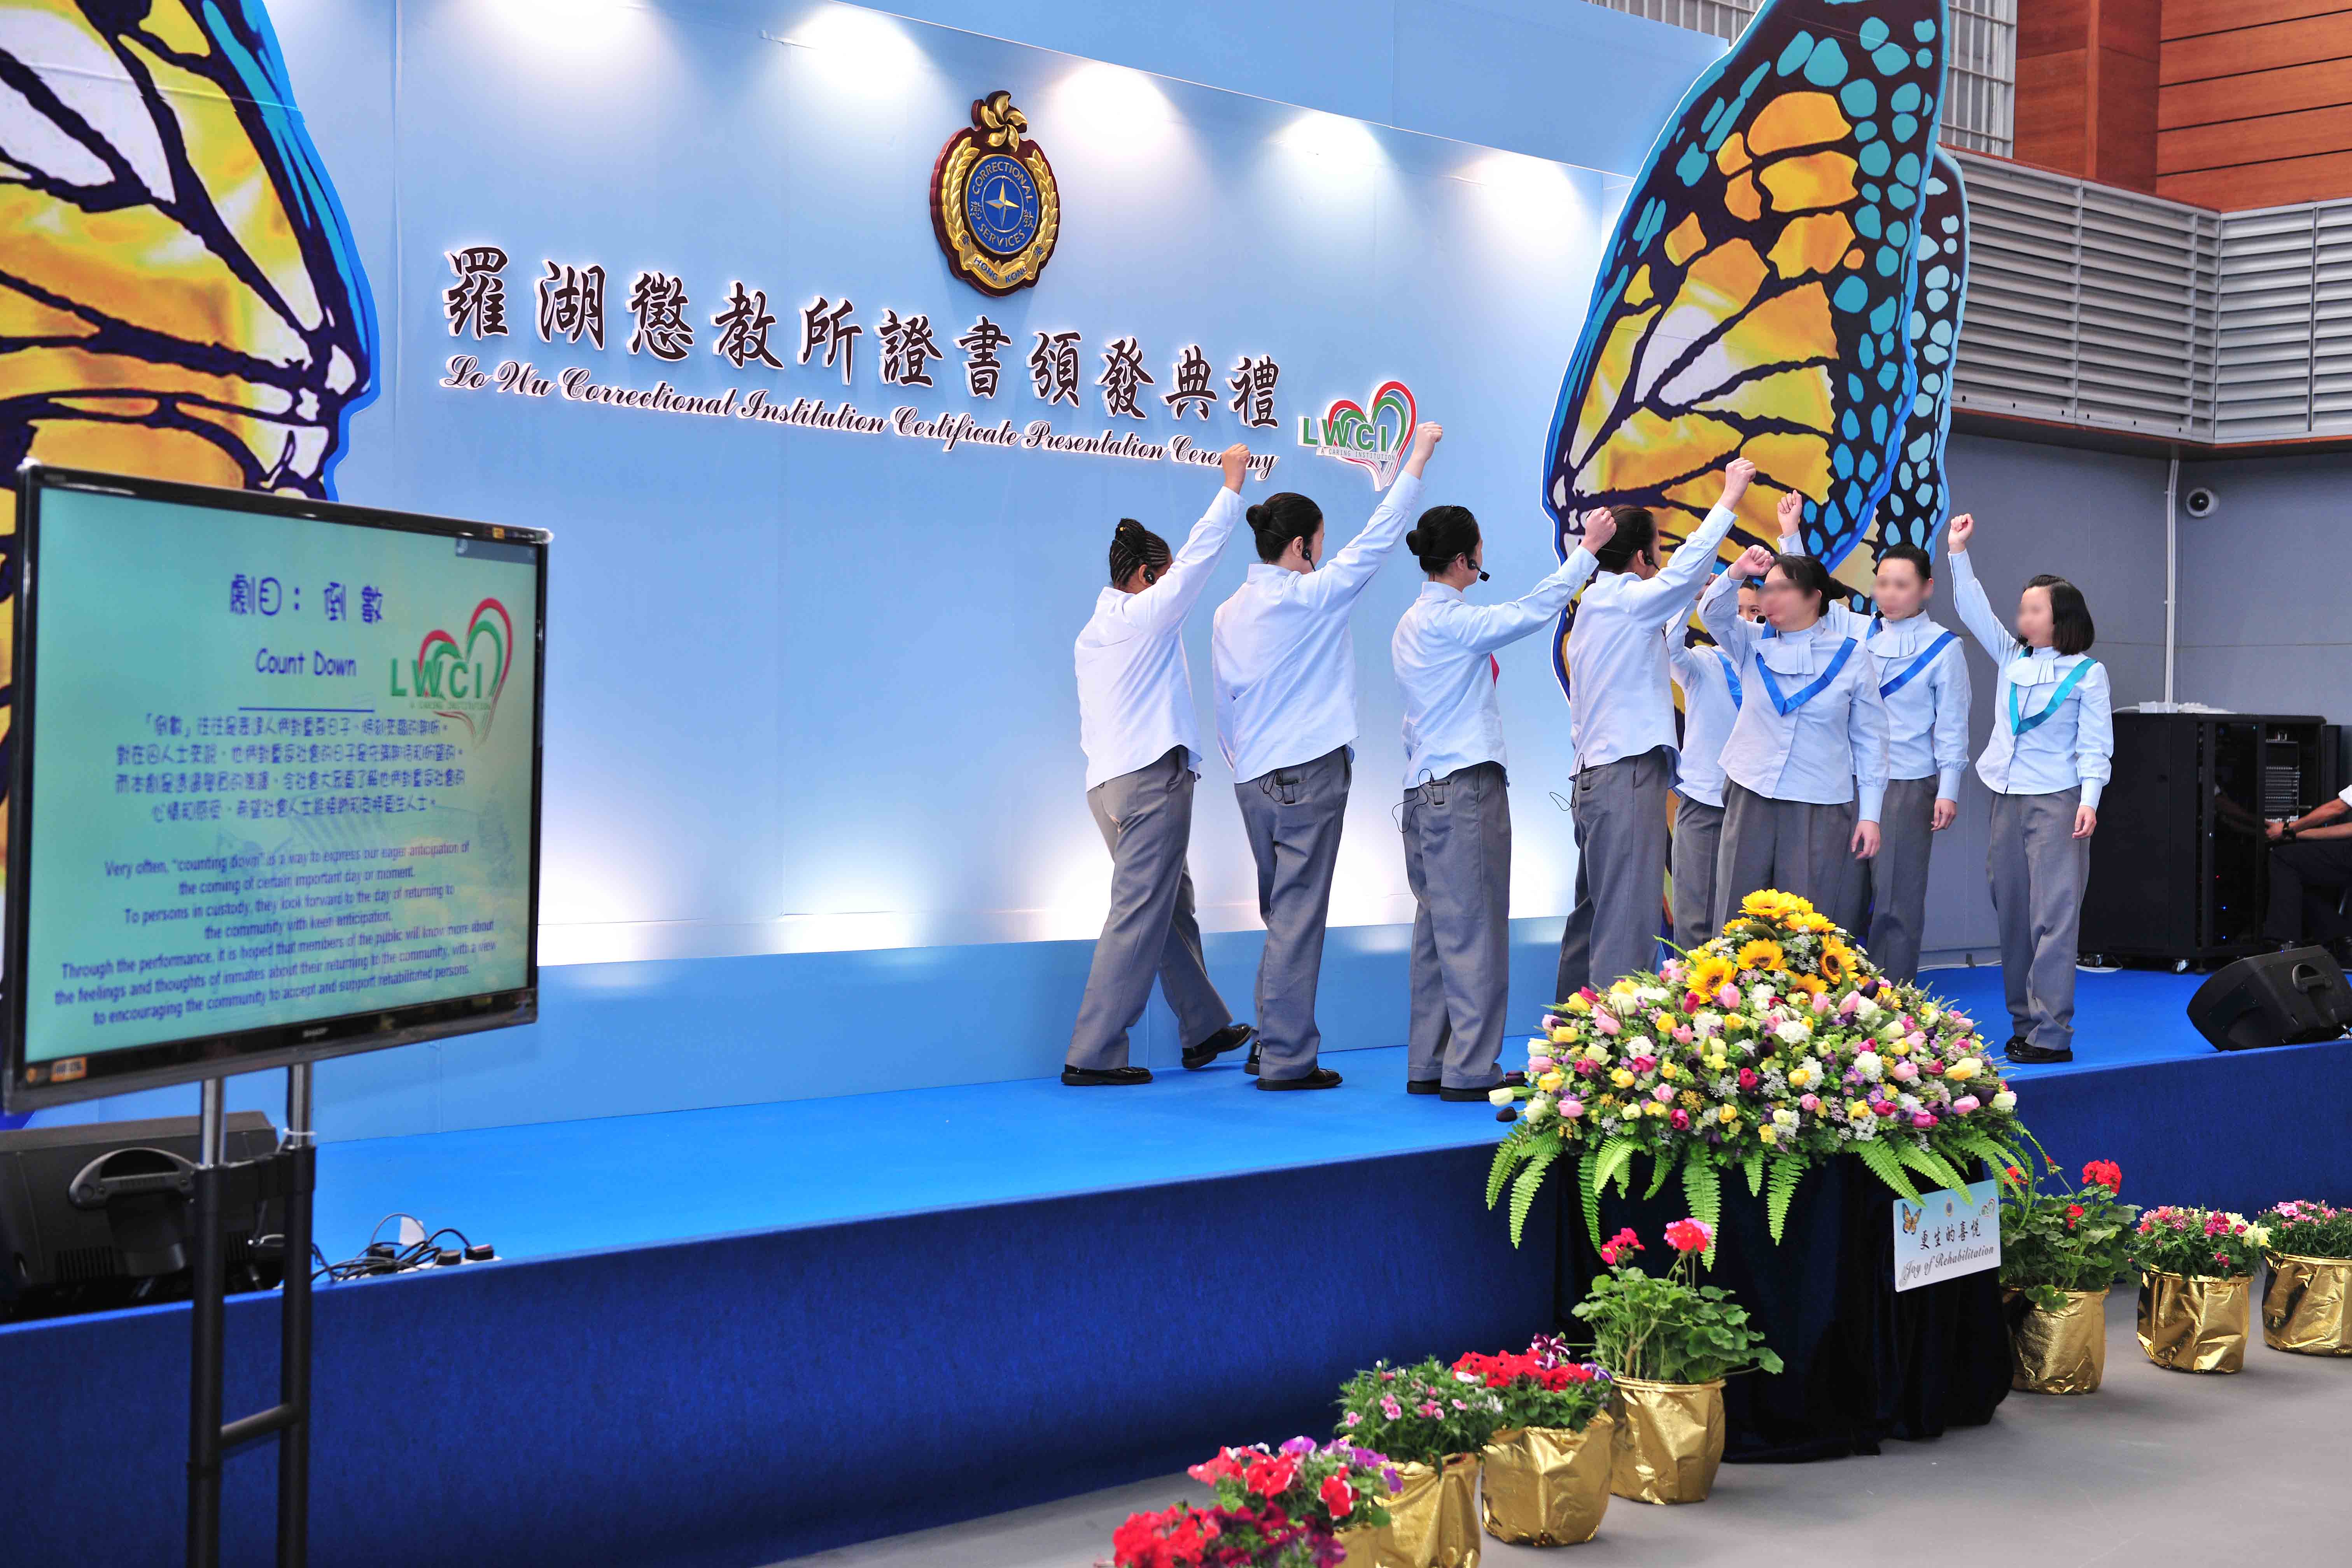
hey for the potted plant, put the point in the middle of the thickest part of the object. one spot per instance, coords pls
(1275, 1509)
(1668, 1343)
(1432, 1426)
(2195, 1266)
(1547, 1469)
(2308, 1307)
(2060, 1251)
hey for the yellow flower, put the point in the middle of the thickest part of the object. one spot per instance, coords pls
(1563, 1037)
(1653, 1109)
(1576, 1005)
(1691, 1099)
(1726, 1115)
(1837, 961)
(1712, 973)
(1622, 1077)
(1808, 920)
(1963, 1069)
(1799, 1078)
(1857, 1111)
(1769, 1133)
(1549, 1083)
(1668, 1070)
(1623, 988)
(1766, 904)
(1764, 955)
(1811, 984)
(1663, 1022)
(1797, 905)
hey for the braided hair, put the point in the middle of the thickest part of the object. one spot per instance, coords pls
(1135, 548)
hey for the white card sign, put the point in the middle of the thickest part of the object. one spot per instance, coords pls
(1949, 1234)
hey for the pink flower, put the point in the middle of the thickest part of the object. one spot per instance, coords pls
(1390, 1408)
(1922, 1119)
(1906, 1072)
(1431, 1407)
(1820, 1001)
(1748, 1077)
(1679, 1120)
(1853, 1000)
(1809, 1102)
(1663, 1094)
(1605, 1021)
(1571, 1108)
(1965, 1104)
(1540, 1063)
(1915, 1040)
(1351, 1419)
(1683, 1036)
(1727, 997)
(1643, 1063)
(1585, 1069)
(1671, 970)
(1881, 1108)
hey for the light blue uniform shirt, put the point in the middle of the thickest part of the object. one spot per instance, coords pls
(2075, 744)
(1443, 653)
(1620, 696)
(1832, 748)
(1709, 710)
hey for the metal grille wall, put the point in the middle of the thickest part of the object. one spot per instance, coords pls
(1979, 77)
(2285, 279)
(2088, 305)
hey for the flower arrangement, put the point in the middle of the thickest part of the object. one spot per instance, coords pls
(2197, 1243)
(1276, 1508)
(1542, 1385)
(1669, 1329)
(2301, 1229)
(1771, 1049)
(2056, 1241)
(1423, 1413)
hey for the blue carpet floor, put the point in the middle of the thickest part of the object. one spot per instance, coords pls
(555, 1188)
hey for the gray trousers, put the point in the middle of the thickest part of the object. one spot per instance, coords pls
(2038, 871)
(1793, 846)
(1698, 836)
(1457, 857)
(1146, 818)
(1621, 870)
(1894, 886)
(1293, 817)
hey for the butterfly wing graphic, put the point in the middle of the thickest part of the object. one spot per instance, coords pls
(1755, 299)
(1915, 504)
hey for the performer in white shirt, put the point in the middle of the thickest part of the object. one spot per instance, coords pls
(1622, 720)
(1806, 763)
(2053, 742)
(1285, 661)
(1711, 693)
(1142, 746)
(1457, 809)
(1922, 678)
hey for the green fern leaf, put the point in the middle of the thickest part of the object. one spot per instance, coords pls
(1616, 1155)
(1531, 1183)
(1661, 1167)
(1589, 1190)
(1928, 1164)
(1787, 1172)
(1754, 1166)
(1507, 1155)
(1885, 1166)
(1703, 1189)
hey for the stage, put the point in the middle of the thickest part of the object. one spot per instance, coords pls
(749, 1332)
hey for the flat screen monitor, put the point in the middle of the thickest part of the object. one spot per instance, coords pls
(274, 782)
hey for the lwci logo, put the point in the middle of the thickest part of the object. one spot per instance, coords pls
(461, 679)
(1374, 435)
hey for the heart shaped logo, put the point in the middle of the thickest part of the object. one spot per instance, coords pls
(472, 671)
(1373, 434)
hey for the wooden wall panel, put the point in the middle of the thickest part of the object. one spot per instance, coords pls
(2086, 101)
(2254, 103)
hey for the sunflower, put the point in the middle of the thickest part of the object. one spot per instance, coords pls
(1837, 961)
(1764, 955)
(1811, 984)
(1808, 920)
(1766, 903)
(1712, 973)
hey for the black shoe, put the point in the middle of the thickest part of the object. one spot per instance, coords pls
(2026, 1053)
(1321, 1077)
(1105, 1078)
(1422, 1085)
(1508, 1080)
(1225, 1039)
(1250, 1066)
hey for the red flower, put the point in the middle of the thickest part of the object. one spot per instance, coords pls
(2073, 1213)
(1209, 1472)
(1270, 1478)
(2107, 1172)
(1748, 1077)
(1339, 1495)
(1619, 1245)
(1687, 1236)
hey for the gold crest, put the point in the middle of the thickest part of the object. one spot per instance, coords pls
(994, 205)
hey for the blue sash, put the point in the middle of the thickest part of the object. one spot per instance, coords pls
(1917, 664)
(2018, 726)
(1731, 674)
(1787, 705)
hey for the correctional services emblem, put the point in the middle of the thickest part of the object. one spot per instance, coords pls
(994, 205)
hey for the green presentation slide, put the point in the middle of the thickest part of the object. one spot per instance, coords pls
(280, 771)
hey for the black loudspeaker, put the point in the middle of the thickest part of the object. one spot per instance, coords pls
(2290, 998)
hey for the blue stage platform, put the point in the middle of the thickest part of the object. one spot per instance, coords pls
(728, 1336)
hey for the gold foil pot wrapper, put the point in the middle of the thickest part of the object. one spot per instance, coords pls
(2308, 1307)
(1546, 1486)
(2193, 1324)
(2064, 1351)
(1669, 1440)
(1433, 1522)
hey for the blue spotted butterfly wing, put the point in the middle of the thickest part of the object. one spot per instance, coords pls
(1756, 296)
(1913, 509)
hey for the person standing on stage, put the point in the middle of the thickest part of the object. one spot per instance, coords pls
(1922, 678)
(1806, 763)
(1285, 661)
(1621, 722)
(1711, 692)
(1457, 809)
(2311, 866)
(1136, 721)
(2051, 754)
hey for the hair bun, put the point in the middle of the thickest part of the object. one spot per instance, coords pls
(1255, 516)
(1412, 543)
